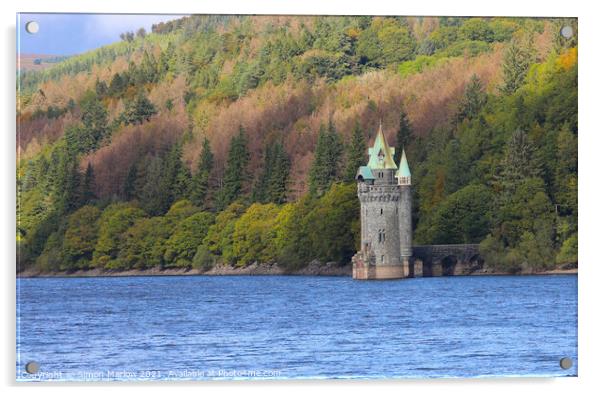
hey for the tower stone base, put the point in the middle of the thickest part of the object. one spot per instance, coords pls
(368, 270)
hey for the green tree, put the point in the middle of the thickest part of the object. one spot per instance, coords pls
(397, 43)
(219, 239)
(129, 184)
(176, 177)
(113, 223)
(151, 189)
(325, 167)
(188, 235)
(67, 182)
(139, 110)
(403, 136)
(117, 85)
(143, 244)
(94, 118)
(463, 217)
(88, 184)
(293, 244)
(200, 183)
(356, 152)
(369, 48)
(476, 29)
(235, 174)
(473, 100)
(80, 237)
(517, 60)
(333, 224)
(519, 162)
(254, 234)
(271, 185)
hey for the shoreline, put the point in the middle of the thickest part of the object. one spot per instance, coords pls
(312, 269)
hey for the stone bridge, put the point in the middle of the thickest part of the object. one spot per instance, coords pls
(446, 259)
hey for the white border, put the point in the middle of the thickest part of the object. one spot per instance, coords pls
(589, 180)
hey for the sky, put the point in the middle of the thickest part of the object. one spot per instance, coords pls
(70, 34)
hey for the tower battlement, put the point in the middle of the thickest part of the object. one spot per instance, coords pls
(384, 191)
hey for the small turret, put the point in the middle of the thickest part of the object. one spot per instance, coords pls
(403, 175)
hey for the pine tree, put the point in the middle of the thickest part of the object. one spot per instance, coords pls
(176, 176)
(403, 136)
(271, 185)
(278, 180)
(88, 185)
(260, 193)
(139, 110)
(457, 168)
(129, 185)
(519, 161)
(101, 88)
(148, 69)
(517, 60)
(199, 189)
(325, 168)
(94, 118)
(356, 152)
(473, 101)
(236, 170)
(117, 85)
(67, 185)
(154, 198)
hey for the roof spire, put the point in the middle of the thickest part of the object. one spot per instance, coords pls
(381, 155)
(403, 174)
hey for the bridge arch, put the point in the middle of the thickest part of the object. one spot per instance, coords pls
(448, 265)
(447, 260)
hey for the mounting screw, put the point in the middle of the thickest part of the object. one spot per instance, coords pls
(32, 367)
(566, 363)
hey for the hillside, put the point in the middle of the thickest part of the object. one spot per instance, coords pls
(37, 62)
(234, 139)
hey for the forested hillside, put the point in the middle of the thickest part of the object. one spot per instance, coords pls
(223, 139)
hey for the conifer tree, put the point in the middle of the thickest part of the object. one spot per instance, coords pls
(199, 188)
(117, 85)
(473, 100)
(519, 162)
(271, 185)
(277, 184)
(176, 176)
(325, 168)
(403, 136)
(67, 185)
(129, 185)
(154, 198)
(94, 118)
(259, 193)
(139, 110)
(517, 60)
(101, 88)
(236, 169)
(88, 185)
(356, 152)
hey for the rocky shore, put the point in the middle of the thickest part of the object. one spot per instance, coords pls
(314, 268)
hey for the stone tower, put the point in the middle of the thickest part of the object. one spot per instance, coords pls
(384, 190)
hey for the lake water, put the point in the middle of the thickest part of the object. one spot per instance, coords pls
(265, 327)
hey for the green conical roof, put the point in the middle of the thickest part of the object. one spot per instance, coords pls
(404, 168)
(381, 155)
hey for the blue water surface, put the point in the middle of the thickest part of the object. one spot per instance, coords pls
(279, 327)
